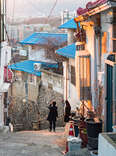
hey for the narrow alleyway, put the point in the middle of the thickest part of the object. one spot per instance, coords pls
(33, 143)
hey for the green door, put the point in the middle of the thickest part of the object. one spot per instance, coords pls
(109, 102)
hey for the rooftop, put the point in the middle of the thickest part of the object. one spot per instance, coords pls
(68, 25)
(44, 38)
(68, 51)
(28, 66)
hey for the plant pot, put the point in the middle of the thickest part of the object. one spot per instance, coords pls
(35, 125)
(93, 128)
(93, 153)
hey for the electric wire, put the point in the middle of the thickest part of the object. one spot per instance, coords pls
(36, 8)
(13, 18)
(33, 5)
(52, 9)
(4, 26)
(3, 17)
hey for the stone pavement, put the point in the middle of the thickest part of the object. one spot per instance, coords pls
(33, 143)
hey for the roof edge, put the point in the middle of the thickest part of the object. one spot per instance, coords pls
(94, 11)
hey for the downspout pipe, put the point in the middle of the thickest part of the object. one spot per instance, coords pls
(66, 79)
(114, 94)
(0, 30)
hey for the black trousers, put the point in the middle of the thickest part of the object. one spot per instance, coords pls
(52, 125)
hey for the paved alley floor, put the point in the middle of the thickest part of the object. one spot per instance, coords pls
(33, 143)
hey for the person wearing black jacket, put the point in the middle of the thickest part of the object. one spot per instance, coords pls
(67, 112)
(52, 116)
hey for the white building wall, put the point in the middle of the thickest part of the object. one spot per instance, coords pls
(37, 55)
(91, 49)
(106, 26)
(1, 110)
(64, 78)
(5, 59)
(72, 91)
(106, 146)
(73, 97)
(71, 38)
(54, 80)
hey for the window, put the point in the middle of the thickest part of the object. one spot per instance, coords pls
(80, 47)
(5, 99)
(73, 81)
(83, 77)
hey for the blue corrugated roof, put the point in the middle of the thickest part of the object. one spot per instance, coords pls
(68, 51)
(28, 66)
(44, 38)
(68, 25)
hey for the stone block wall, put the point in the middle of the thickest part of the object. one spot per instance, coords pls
(46, 96)
(18, 87)
(35, 108)
(53, 81)
(23, 113)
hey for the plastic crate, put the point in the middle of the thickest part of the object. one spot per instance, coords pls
(74, 143)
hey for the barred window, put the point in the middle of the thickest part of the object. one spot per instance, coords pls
(80, 47)
(83, 77)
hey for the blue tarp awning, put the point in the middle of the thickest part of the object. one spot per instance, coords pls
(45, 38)
(68, 51)
(28, 66)
(68, 25)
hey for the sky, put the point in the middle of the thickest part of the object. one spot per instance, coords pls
(22, 8)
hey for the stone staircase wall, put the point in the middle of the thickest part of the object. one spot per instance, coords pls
(23, 115)
(46, 96)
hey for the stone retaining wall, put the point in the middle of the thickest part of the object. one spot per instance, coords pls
(24, 114)
(46, 96)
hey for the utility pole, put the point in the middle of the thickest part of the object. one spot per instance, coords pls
(0, 29)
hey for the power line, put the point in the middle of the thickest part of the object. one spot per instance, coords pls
(13, 11)
(33, 5)
(54, 5)
(36, 8)
(12, 35)
(3, 19)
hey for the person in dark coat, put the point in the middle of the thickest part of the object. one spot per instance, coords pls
(52, 116)
(67, 112)
(8, 120)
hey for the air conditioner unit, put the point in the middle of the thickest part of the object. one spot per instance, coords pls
(37, 66)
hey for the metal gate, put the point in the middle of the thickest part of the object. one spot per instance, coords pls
(110, 106)
(109, 97)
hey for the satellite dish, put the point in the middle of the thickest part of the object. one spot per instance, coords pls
(37, 66)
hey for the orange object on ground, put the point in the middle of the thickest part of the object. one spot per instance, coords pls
(71, 130)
